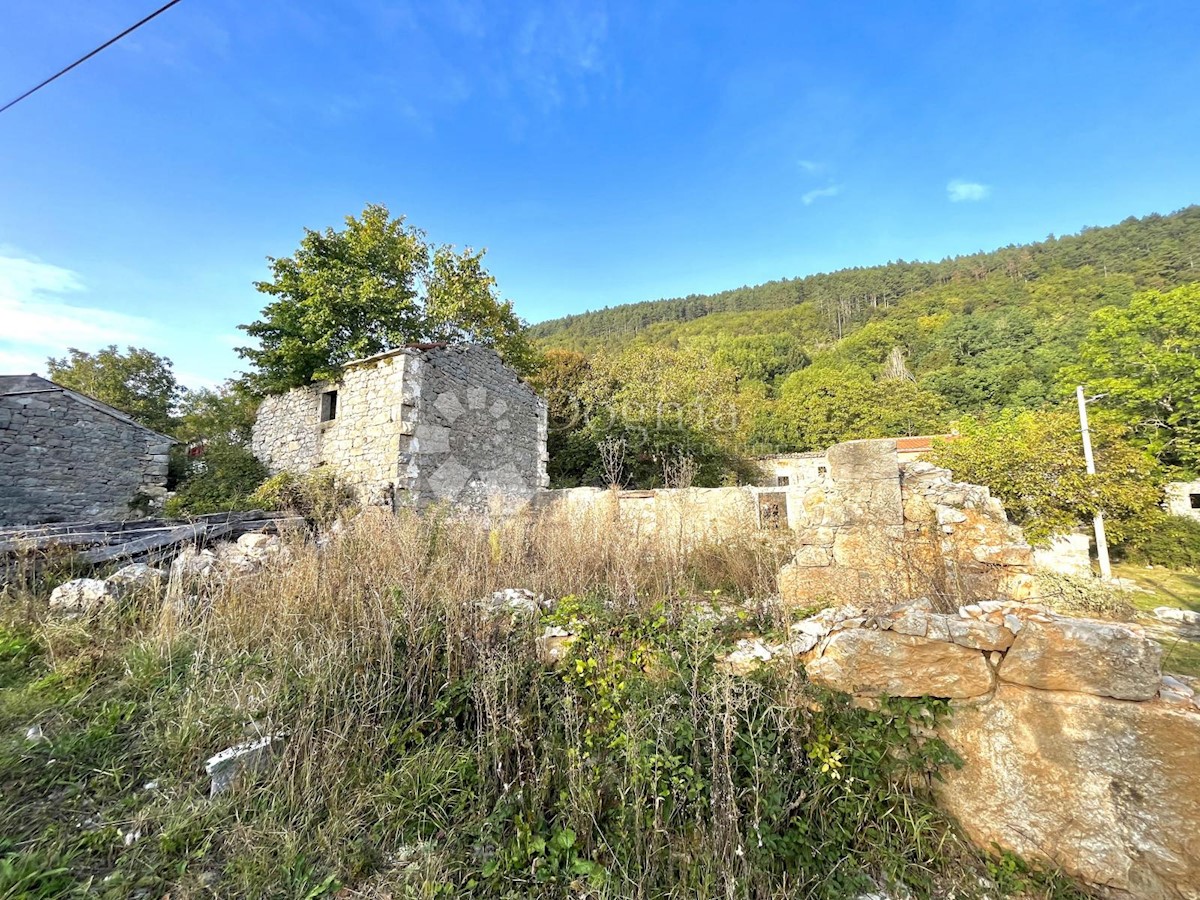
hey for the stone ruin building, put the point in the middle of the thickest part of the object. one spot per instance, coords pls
(422, 424)
(66, 457)
(859, 522)
(1183, 499)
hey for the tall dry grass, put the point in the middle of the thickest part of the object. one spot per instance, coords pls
(430, 750)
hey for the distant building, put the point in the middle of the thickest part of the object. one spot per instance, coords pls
(910, 448)
(65, 456)
(1183, 499)
(414, 426)
(797, 469)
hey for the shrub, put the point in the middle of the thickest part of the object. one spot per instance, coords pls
(1170, 541)
(221, 479)
(320, 496)
(1083, 595)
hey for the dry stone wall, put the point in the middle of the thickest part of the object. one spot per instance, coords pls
(65, 459)
(476, 434)
(876, 529)
(864, 526)
(419, 425)
(1077, 750)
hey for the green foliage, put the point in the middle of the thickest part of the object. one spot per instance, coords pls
(1085, 596)
(1165, 540)
(374, 286)
(318, 495)
(226, 412)
(222, 478)
(1034, 463)
(823, 405)
(977, 335)
(138, 382)
(1153, 252)
(1143, 358)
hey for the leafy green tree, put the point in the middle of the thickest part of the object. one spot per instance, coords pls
(226, 412)
(137, 382)
(1145, 360)
(222, 478)
(665, 405)
(825, 404)
(373, 286)
(1033, 461)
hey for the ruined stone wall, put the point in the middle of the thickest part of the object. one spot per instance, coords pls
(687, 515)
(422, 425)
(286, 437)
(1078, 752)
(65, 460)
(881, 530)
(475, 434)
(864, 526)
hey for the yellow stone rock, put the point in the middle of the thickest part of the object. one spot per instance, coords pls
(1107, 790)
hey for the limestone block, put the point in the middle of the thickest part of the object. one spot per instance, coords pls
(1084, 655)
(979, 635)
(81, 596)
(136, 578)
(1003, 554)
(854, 462)
(813, 555)
(1108, 791)
(866, 661)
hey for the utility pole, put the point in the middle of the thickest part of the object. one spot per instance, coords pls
(1098, 520)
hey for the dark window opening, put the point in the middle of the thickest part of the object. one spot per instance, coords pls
(329, 406)
(782, 481)
(772, 511)
(822, 471)
(1194, 499)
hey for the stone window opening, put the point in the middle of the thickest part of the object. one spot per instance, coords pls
(782, 481)
(822, 471)
(329, 401)
(1194, 500)
(772, 511)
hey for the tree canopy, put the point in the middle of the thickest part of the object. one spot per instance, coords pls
(1144, 359)
(373, 286)
(138, 382)
(1033, 461)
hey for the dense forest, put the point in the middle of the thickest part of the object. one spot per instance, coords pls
(901, 348)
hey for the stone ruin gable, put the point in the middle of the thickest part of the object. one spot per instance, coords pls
(1078, 752)
(474, 431)
(878, 529)
(419, 425)
(67, 457)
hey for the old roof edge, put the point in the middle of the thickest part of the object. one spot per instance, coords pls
(47, 386)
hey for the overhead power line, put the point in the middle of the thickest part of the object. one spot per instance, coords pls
(132, 28)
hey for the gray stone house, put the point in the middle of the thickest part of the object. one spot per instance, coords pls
(65, 456)
(423, 424)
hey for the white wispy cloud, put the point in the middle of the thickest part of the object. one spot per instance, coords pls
(817, 193)
(811, 166)
(38, 322)
(959, 191)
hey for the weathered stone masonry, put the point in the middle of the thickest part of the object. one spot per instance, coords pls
(417, 425)
(66, 457)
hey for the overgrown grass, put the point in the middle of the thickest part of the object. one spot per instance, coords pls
(431, 751)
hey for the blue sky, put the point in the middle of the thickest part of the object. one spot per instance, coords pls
(603, 153)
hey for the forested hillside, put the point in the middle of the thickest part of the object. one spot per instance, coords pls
(1155, 252)
(900, 348)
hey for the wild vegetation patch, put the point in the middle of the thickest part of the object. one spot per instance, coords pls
(427, 747)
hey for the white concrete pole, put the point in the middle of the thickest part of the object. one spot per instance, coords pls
(1098, 520)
